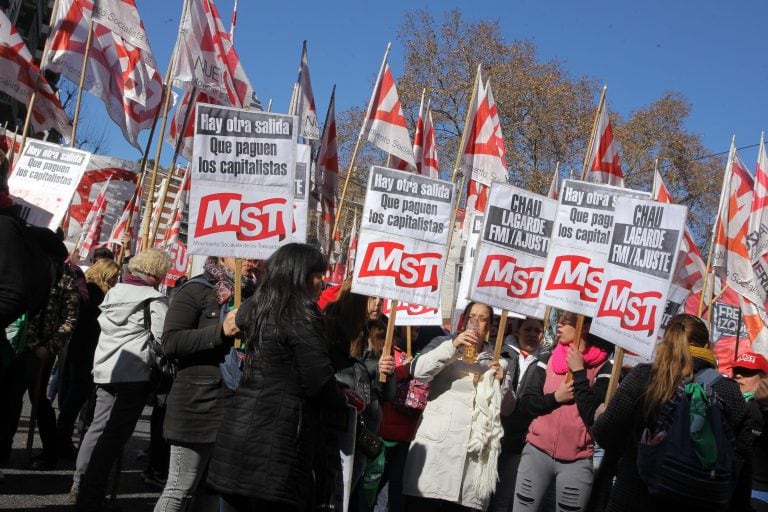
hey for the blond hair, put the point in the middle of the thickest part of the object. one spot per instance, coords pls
(151, 262)
(101, 273)
(673, 360)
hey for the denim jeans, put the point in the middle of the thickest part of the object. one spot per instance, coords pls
(188, 465)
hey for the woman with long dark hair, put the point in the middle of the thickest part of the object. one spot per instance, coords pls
(267, 441)
(643, 394)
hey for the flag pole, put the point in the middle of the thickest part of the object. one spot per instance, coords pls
(317, 214)
(723, 197)
(149, 204)
(467, 116)
(351, 167)
(593, 135)
(31, 106)
(232, 24)
(179, 142)
(88, 42)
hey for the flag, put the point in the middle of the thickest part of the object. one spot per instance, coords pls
(206, 58)
(305, 108)
(757, 238)
(120, 228)
(121, 69)
(418, 136)
(384, 124)
(731, 258)
(482, 156)
(177, 211)
(554, 187)
(18, 76)
(121, 176)
(754, 319)
(93, 224)
(603, 162)
(691, 268)
(429, 165)
(327, 176)
(498, 138)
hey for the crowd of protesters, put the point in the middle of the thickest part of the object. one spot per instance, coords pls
(291, 402)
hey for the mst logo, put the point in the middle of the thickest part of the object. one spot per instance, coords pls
(223, 212)
(636, 311)
(571, 272)
(410, 309)
(520, 282)
(388, 259)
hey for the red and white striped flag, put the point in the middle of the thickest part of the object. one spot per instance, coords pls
(731, 258)
(418, 136)
(177, 211)
(327, 176)
(206, 58)
(757, 239)
(121, 226)
(554, 187)
(384, 124)
(305, 101)
(93, 224)
(691, 268)
(18, 76)
(493, 109)
(604, 163)
(121, 70)
(429, 165)
(482, 157)
(754, 319)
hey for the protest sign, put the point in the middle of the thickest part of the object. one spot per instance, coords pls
(301, 193)
(179, 262)
(413, 314)
(44, 181)
(242, 182)
(636, 279)
(513, 249)
(403, 237)
(726, 322)
(580, 243)
(469, 261)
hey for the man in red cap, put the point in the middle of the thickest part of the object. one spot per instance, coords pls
(750, 371)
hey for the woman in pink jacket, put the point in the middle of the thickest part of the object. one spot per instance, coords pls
(562, 395)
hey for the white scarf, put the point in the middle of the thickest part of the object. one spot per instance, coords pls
(486, 433)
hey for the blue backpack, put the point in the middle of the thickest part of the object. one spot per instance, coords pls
(669, 460)
(232, 367)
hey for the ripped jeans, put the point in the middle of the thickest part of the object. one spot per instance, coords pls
(573, 481)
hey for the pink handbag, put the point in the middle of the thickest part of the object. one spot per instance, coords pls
(411, 395)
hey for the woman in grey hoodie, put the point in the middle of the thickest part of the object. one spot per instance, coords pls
(121, 372)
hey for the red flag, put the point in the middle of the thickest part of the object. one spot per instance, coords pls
(604, 162)
(93, 224)
(121, 226)
(418, 136)
(731, 258)
(482, 157)
(691, 268)
(121, 69)
(18, 76)
(429, 165)
(305, 101)
(206, 58)
(384, 124)
(327, 176)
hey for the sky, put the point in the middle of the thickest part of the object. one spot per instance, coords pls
(712, 52)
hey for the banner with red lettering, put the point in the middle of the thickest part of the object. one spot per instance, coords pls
(179, 262)
(580, 243)
(413, 314)
(513, 249)
(241, 198)
(404, 233)
(44, 181)
(300, 193)
(638, 273)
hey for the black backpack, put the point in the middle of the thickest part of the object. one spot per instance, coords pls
(667, 460)
(164, 368)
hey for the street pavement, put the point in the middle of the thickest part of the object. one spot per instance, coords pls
(46, 491)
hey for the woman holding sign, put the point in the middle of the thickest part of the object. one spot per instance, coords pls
(442, 468)
(562, 395)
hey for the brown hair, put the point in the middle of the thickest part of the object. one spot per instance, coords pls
(101, 272)
(673, 360)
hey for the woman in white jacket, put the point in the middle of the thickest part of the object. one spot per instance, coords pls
(449, 466)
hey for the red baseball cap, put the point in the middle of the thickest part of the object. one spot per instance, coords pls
(752, 361)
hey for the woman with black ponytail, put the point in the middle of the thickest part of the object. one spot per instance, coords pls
(266, 443)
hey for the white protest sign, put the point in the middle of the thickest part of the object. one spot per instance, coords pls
(510, 259)
(580, 243)
(413, 314)
(637, 275)
(242, 182)
(469, 261)
(403, 237)
(44, 180)
(301, 193)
